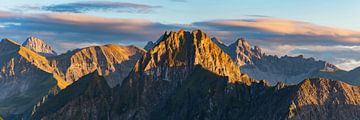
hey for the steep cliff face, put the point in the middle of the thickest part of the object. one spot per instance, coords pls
(112, 61)
(325, 99)
(187, 76)
(39, 46)
(24, 78)
(184, 50)
(207, 96)
(165, 67)
(89, 98)
(242, 53)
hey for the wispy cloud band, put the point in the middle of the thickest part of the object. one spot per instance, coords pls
(96, 6)
(276, 36)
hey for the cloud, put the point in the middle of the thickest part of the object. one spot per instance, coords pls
(179, 0)
(280, 29)
(348, 64)
(281, 37)
(72, 30)
(64, 27)
(75, 45)
(345, 57)
(103, 6)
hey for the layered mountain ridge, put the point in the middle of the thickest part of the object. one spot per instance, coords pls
(184, 75)
(291, 70)
(179, 78)
(112, 61)
(27, 77)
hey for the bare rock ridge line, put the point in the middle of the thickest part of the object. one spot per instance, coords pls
(112, 61)
(187, 49)
(291, 70)
(39, 46)
(91, 90)
(179, 78)
(25, 77)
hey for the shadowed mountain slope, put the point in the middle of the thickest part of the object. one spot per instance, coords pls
(25, 77)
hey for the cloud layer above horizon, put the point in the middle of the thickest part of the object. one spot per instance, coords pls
(69, 30)
(93, 6)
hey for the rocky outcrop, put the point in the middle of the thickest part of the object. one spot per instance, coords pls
(242, 53)
(322, 98)
(24, 78)
(180, 78)
(89, 98)
(112, 61)
(39, 46)
(166, 66)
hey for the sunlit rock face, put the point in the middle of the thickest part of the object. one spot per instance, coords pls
(39, 46)
(25, 77)
(167, 65)
(112, 61)
(177, 54)
(180, 78)
(322, 98)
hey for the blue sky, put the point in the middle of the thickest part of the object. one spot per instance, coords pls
(326, 30)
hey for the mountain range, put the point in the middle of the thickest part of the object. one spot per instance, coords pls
(288, 69)
(183, 75)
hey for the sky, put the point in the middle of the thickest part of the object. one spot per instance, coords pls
(325, 30)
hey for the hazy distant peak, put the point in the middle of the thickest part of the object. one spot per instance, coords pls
(39, 46)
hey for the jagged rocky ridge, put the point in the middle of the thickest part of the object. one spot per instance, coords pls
(201, 92)
(166, 66)
(39, 46)
(27, 78)
(291, 70)
(112, 61)
(89, 98)
(24, 78)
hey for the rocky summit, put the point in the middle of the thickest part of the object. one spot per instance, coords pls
(39, 46)
(185, 75)
(112, 61)
(173, 81)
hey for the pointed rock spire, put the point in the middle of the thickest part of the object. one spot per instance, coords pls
(242, 53)
(39, 46)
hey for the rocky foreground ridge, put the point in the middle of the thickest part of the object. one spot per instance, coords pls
(27, 78)
(24, 78)
(181, 78)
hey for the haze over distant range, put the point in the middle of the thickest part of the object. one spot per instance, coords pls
(317, 30)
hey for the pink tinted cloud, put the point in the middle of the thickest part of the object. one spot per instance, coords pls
(290, 27)
(284, 26)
